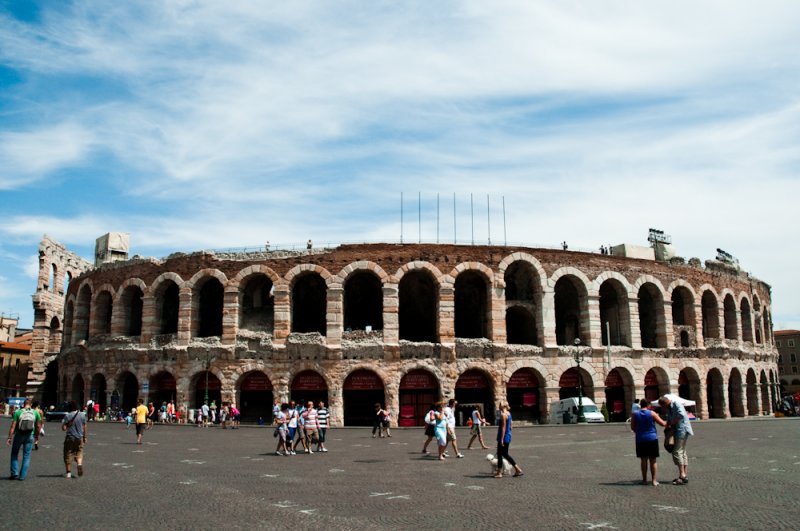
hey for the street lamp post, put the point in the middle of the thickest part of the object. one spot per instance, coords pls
(208, 368)
(578, 355)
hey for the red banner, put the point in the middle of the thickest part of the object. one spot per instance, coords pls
(529, 399)
(569, 379)
(614, 379)
(167, 383)
(472, 380)
(363, 380)
(418, 379)
(213, 382)
(256, 382)
(650, 378)
(522, 379)
(309, 381)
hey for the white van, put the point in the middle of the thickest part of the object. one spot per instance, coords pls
(566, 411)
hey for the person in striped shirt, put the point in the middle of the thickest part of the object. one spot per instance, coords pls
(322, 422)
(311, 427)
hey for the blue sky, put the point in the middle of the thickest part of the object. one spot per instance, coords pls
(195, 125)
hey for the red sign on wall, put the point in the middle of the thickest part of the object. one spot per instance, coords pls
(472, 380)
(256, 382)
(363, 381)
(569, 379)
(418, 379)
(166, 383)
(529, 399)
(522, 379)
(614, 379)
(213, 382)
(309, 381)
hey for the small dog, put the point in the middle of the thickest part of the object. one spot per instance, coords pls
(507, 468)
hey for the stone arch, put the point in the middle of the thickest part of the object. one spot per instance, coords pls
(731, 322)
(524, 257)
(475, 384)
(129, 305)
(572, 380)
(682, 297)
(83, 311)
(69, 318)
(709, 304)
(620, 392)
(423, 387)
(160, 279)
(302, 269)
(164, 293)
(102, 309)
(735, 393)
(652, 323)
(656, 382)
(715, 394)
(202, 276)
(255, 292)
(247, 272)
(419, 296)
(362, 298)
(419, 265)
(523, 279)
(613, 291)
(362, 265)
(752, 392)
(54, 335)
(689, 385)
(746, 317)
(571, 300)
(197, 387)
(207, 303)
(309, 299)
(254, 391)
(526, 409)
(472, 300)
(363, 386)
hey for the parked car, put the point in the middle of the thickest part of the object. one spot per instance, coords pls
(57, 413)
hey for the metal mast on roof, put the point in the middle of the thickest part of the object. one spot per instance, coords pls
(488, 220)
(401, 217)
(472, 218)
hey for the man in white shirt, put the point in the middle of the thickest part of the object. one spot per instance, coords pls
(450, 416)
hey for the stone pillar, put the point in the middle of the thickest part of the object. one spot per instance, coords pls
(636, 330)
(592, 320)
(230, 315)
(549, 318)
(497, 322)
(334, 316)
(149, 323)
(391, 321)
(447, 326)
(698, 326)
(185, 317)
(739, 325)
(117, 318)
(668, 337)
(336, 406)
(283, 313)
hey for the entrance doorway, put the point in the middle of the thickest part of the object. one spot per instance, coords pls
(522, 392)
(419, 389)
(473, 389)
(255, 397)
(309, 385)
(361, 391)
(214, 389)
(616, 401)
(162, 389)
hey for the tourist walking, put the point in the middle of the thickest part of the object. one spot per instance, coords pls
(22, 434)
(282, 430)
(386, 422)
(206, 413)
(430, 428)
(450, 415)
(311, 427)
(377, 422)
(643, 424)
(35, 407)
(152, 415)
(678, 420)
(141, 420)
(76, 428)
(322, 421)
(440, 429)
(504, 441)
(476, 431)
(292, 423)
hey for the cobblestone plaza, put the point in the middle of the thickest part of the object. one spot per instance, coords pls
(744, 475)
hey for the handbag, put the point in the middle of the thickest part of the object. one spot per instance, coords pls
(669, 440)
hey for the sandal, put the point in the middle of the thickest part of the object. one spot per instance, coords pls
(519, 474)
(678, 481)
(685, 480)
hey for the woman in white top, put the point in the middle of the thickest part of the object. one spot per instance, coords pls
(475, 431)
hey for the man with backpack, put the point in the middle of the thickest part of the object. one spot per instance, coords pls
(24, 430)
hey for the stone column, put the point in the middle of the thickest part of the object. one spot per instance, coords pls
(117, 318)
(739, 325)
(334, 316)
(230, 316)
(548, 312)
(336, 406)
(447, 330)
(497, 322)
(698, 326)
(391, 321)
(636, 330)
(149, 323)
(592, 320)
(283, 313)
(185, 317)
(668, 337)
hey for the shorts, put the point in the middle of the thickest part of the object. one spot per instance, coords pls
(441, 438)
(322, 435)
(282, 435)
(311, 435)
(73, 449)
(430, 431)
(140, 428)
(647, 449)
(679, 452)
(291, 433)
(475, 429)
(451, 434)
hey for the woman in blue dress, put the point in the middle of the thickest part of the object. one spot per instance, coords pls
(643, 424)
(504, 441)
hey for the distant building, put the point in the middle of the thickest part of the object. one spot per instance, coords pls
(788, 344)
(14, 359)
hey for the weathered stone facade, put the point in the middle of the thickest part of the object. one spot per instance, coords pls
(488, 323)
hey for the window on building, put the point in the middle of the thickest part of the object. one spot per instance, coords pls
(790, 343)
(778, 343)
(16, 365)
(794, 369)
(2, 362)
(780, 359)
(793, 357)
(780, 369)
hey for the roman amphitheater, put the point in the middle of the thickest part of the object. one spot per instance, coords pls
(404, 325)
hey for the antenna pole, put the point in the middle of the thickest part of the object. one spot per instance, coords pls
(488, 220)
(401, 217)
(455, 239)
(505, 239)
(472, 218)
(437, 217)
(419, 216)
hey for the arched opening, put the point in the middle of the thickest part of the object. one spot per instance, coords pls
(69, 323)
(163, 389)
(309, 302)
(51, 281)
(132, 303)
(418, 307)
(520, 326)
(471, 305)
(78, 390)
(130, 391)
(361, 391)
(684, 338)
(523, 295)
(363, 302)
(257, 307)
(735, 393)
(309, 385)
(207, 389)
(54, 336)
(572, 383)
(82, 311)
(619, 394)
(689, 387)
(757, 312)
(772, 388)
(209, 302)
(67, 280)
(729, 311)
(682, 307)
(651, 317)
(64, 391)
(419, 390)
(168, 303)
(103, 306)
(50, 385)
(752, 393)
(98, 392)
(715, 394)
(473, 389)
(571, 307)
(614, 313)
(523, 395)
(710, 309)
(656, 384)
(747, 323)
(255, 397)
